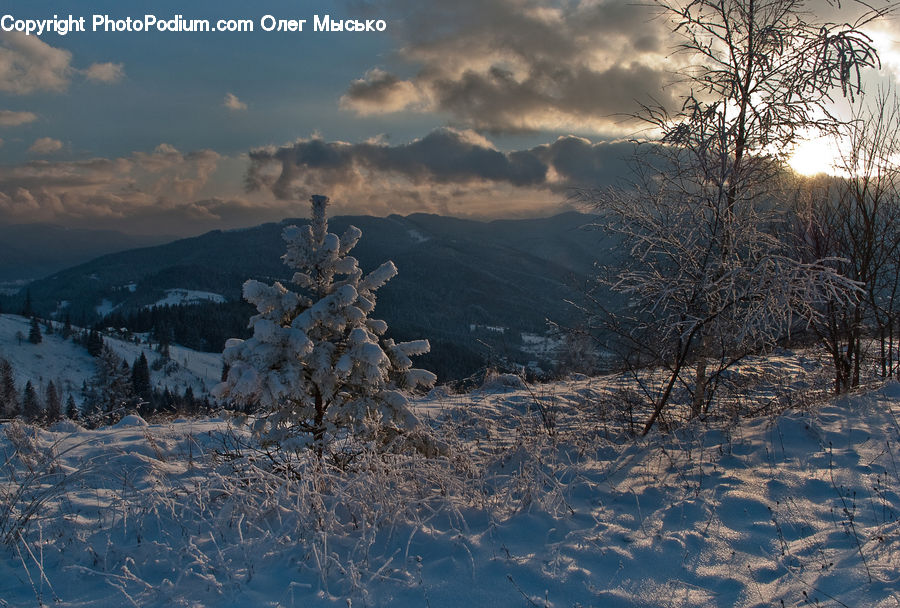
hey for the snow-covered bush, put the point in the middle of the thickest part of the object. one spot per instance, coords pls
(318, 368)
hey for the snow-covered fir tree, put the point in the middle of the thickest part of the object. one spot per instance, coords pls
(318, 368)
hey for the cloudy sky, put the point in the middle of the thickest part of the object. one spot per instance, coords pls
(477, 108)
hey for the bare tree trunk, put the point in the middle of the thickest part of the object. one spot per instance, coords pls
(319, 425)
(700, 382)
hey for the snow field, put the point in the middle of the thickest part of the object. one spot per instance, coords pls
(799, 507)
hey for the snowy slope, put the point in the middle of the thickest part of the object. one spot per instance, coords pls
(181, 297)
(65, 363)
(795, 509)
(68, 364)
(200, 371)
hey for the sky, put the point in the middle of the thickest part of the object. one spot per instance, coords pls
(475, 108)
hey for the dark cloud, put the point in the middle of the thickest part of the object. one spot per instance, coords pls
(447, 171)
(443, 156)
(578, 163)
(520, 65)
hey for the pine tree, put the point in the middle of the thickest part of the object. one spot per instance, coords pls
(9, 396)
(53, 410)
(140, 378)
(188, 402)
(109, 391)
(31, 404)
(168, 401)
(26, 307)
(94, 343)
(67, 327)
(71, 408)
(118, 388)
(34, 333)
(319, 368)
(163, 349)
(92, 408)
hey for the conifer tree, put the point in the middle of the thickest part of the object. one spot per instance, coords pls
(140, 378)
(9, 396)
(188, 402)
(109, 390)
(317, 365)
(26, 307)
(168, 400)
(71, 408)
(118, 389)
(34, 333)
(53, 409)
(95, 343)
(67, 327)
(31, 404)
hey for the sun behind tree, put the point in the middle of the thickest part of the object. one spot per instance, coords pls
(318, 368)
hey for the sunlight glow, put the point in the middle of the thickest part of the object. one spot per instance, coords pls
(817, 155)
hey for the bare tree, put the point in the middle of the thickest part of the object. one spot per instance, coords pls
(856, 219)
(706, 279)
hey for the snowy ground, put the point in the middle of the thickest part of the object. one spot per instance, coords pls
(537, 504)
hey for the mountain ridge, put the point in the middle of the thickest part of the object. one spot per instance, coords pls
(456, 276)
(32, 251)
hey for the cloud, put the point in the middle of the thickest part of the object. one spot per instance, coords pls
(164, 191)
(521, 65)
(506, 66)
(233, 103)
(380, 92)
(101, 188)
(44, 146)
(28, 65)
(448, 171)
(105, 72)
(443, 156)
(9, 118)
